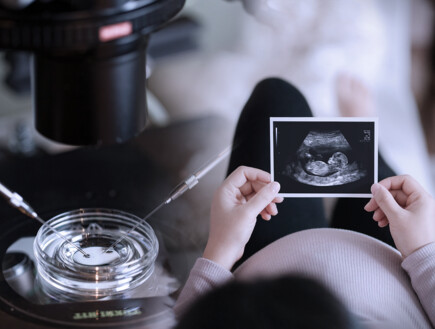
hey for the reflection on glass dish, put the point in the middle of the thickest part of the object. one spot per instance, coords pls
(64, 274)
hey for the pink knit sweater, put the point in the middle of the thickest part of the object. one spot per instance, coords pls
(379, 287)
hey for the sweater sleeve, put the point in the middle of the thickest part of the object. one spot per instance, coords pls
(204, 276)
(420, 266)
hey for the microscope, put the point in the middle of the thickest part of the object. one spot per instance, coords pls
(88, 63)
(89, 88)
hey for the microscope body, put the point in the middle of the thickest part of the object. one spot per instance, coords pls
(88, 65)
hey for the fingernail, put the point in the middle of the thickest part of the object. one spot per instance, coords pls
(375, 188)
(275, 187)
(274, 210)
(365, 207)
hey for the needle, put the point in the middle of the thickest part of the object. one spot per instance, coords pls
(180, 189)
(16, 201)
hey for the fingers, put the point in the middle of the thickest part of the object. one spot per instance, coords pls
(378, 215)
(271, 209)
(380, 218)
(242, 175)
(254, 185)
(262, 199)
(401, 188)
(385, 200)
(386, 204)
(398, 195)
(265, 215)
(383, 223)
(371, 205)
(404, 183)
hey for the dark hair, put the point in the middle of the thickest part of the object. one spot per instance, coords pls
(285, 302)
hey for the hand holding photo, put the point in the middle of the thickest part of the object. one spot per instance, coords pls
(324, 157)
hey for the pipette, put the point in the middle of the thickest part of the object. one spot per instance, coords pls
(179, 190)
(17, 201)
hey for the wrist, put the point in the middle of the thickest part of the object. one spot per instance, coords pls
(222, 257)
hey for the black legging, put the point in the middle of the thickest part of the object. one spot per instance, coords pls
(276, 98)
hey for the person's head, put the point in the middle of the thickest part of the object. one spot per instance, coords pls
(286, 302)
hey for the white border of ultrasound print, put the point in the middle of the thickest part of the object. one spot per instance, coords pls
(318, 119)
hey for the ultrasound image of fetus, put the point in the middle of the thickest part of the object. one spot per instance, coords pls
(323, 159)
(338, 161)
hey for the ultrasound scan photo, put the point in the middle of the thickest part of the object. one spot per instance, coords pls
(313, 157)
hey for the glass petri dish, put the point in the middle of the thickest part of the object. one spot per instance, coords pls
(64, 274)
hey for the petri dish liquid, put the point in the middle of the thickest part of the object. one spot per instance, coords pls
(96, 256)
(65, 274)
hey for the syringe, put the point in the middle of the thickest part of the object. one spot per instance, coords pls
(17, 201)
(179, 190)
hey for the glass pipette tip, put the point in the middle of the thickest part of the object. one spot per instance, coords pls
(17, 201)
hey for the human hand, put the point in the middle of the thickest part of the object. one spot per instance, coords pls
(401, 202)
(246, 193)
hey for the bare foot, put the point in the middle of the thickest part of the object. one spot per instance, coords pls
(353, 97)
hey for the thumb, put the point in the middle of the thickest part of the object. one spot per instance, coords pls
(262, 198)
(386, 201)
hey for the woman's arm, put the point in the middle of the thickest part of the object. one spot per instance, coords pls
(420, 266)
(245, 194)
(403, 204)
